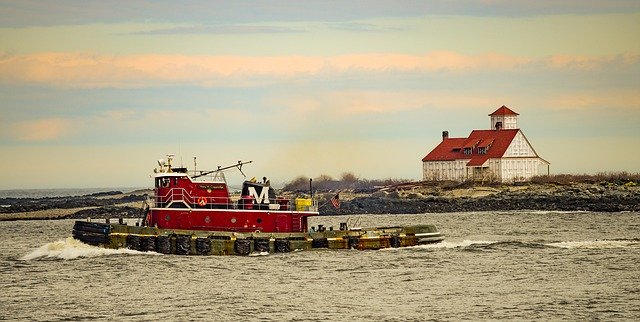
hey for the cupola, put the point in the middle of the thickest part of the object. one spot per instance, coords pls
(504, 118)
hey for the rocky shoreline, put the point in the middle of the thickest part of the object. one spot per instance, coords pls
(102, 205)
(401, 199)
(600, 197)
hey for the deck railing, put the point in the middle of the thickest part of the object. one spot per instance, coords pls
(180, 198)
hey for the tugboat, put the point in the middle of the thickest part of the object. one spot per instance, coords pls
(193, 213)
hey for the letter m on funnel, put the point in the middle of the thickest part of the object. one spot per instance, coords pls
(264, 194)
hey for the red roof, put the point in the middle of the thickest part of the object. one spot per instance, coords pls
(451, 149)
(503, 110)
(471, 143)
(485, 143)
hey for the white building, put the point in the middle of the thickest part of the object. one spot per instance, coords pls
(501, 154)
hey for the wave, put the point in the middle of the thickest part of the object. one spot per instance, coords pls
(598, 244)
(450, 244)
(70, 248)
(481, 245)
(443, 245)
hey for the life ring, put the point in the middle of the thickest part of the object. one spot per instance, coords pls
(202, 201)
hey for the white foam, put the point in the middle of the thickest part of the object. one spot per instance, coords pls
(70, 248)
(446, 244)
(595, 244)
(457, 244)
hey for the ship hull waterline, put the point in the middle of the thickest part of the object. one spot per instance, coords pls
(202, 242)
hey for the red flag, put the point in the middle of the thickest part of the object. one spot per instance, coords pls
(335, 201)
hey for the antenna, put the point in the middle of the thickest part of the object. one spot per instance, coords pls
(169, 159)
(220, 168)
(195, 165)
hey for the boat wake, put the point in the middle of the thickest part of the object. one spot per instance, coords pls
(598, 244)
(481, 245)
(444, 245)
(70, 248)
(455, 244)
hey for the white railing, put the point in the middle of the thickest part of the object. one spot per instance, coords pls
(180, 198)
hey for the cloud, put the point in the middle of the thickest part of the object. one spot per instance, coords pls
(362, 27)
(117, 115)
(603, 99)
(93, 70)
(66, 12)
(41, 130)
(582, 62)
(219, 30)
(339, 104)
(54, 129)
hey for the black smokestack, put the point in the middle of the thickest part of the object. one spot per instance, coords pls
(445, 135)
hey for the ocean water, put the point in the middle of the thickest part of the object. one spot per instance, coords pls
(57, 192)
(492, 266)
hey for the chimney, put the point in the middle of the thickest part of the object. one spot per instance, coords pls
(498, 126)
(445, 135)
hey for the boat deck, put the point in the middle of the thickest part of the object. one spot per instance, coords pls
(198, 242)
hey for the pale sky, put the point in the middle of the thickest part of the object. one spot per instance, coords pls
(92, 93)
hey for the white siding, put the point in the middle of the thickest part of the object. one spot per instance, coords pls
(519, 147)
(508, 121)
(502, 170)
(444, 170)
(520, 169)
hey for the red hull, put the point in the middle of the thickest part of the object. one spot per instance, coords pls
(240, 220)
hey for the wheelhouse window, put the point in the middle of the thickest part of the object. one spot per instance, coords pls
(162, 182)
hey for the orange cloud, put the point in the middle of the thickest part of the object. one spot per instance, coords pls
(441, 60)
(358, 102)
(588, 62)
(41, 130)
(601, 99)
(89, 70)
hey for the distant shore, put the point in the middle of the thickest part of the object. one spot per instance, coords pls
(420, 198)
(111, 204)
(408, 198)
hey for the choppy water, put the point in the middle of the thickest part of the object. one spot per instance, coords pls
(492, 266)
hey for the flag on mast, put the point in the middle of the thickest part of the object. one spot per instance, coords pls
(335, 201)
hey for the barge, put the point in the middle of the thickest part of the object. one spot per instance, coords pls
(193, 213)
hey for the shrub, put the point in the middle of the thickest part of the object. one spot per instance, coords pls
(609, 177)
(347, 181)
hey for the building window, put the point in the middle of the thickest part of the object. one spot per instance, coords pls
(482, 150)
(467, 150)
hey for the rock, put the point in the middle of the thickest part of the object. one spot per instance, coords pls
(393, 195)
(415, 195)
(108, 212)
(380, 194)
